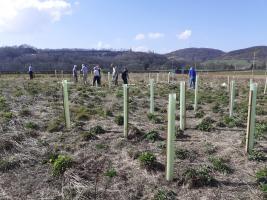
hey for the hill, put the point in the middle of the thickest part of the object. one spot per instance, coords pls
(195, 54)
(241, 59)
(17, 58)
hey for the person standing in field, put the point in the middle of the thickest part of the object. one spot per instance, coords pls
(75, 73)
(125, 76)
(115, 75)
(30, 72)
(192, 77)
(96, 72)
(84, 70)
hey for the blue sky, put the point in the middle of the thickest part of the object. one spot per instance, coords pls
(157, 25)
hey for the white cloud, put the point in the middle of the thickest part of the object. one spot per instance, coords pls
(140, 49)
(16, 14)
(151, 35)
(101, 45)
(140, 36)
(185, 35)
(155, 35)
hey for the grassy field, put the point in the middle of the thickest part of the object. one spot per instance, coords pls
(41, 159)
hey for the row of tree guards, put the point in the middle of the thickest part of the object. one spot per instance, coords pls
(171, 114)
(170, 76)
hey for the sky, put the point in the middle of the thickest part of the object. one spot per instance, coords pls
(141, 25)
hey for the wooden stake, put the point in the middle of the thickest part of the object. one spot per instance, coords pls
(196, 94)
(265, 87)
(251, 118)
(228, 83)
(157, 77)
(170, 137)
(125, 109)
(66, 103)
(109, 79)
(169, 77)
(182, 106)
(152, 107)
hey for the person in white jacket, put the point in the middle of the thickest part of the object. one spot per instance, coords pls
(84, 70)
(97, 75)
(75, 73)
(115, 75)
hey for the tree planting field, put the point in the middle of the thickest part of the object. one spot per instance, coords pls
(41, 159)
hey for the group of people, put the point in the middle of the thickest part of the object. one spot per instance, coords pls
(84, 70)
(115, 75)
(97, 74)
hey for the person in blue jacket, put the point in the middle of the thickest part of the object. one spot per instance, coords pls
(192, 77)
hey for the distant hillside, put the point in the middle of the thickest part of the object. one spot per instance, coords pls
(247, 54)
(241, 59)
(17, 58)
(195, 54)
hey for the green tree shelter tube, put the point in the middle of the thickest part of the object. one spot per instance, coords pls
(171, 137)
(232, 99)
(182, 106)
(66, 103)
(109, 79)
(196, 94)
(152, 106)
(251, 117)
(265, 87)
(125, 109)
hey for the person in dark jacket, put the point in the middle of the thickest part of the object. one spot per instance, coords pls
(31, 72)
(125, 76)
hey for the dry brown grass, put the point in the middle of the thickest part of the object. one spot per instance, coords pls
(32, 177)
